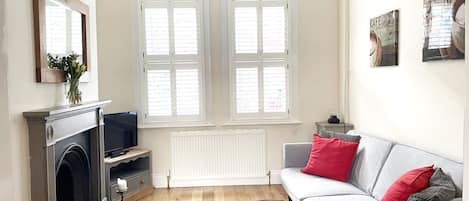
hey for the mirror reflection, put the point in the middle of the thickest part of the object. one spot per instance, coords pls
(63, 31)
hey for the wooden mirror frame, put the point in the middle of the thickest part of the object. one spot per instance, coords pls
(43, 73)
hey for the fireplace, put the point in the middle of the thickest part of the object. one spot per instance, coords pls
(73, 168)
(67, 153)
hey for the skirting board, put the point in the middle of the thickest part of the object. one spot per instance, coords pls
(160, 181)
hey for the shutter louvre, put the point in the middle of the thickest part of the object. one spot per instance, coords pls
(245, 30)
(275, 89)
(159, 92)
(157, 31)
(247, 90)
(187, 92)
(273, 26)
(185, 31)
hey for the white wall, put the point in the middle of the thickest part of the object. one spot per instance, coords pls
(25, 94)
(318, 75)
(5, 149)
(466, 127)
(416, 103)
(344, 46)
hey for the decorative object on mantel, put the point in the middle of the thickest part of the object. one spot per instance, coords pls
(333, 119)
(73, 70)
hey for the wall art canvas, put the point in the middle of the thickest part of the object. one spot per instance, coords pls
(445, 30)
(384, 39)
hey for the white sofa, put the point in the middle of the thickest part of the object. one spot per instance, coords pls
(377, 165)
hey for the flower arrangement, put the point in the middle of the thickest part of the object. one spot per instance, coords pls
(73, 70)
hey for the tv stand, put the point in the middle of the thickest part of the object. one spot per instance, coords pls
(135, 167)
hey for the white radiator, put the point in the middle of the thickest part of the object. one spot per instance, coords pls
(218, 157)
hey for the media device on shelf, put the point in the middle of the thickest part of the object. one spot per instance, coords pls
(120, 133)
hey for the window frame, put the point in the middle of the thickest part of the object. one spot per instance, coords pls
(146, 62)
(288, 58)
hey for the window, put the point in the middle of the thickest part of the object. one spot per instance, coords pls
(259, 59)
(173, 60)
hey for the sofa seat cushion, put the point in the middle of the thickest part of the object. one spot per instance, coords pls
(300, 186)
(342, 198)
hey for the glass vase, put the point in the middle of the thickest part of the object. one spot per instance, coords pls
(74, 93)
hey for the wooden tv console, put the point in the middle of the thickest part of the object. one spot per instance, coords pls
(135, 167)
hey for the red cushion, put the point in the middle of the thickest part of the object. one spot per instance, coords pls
(331, 158)
(411, 182)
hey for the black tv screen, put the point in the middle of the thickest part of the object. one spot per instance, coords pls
(120, 132)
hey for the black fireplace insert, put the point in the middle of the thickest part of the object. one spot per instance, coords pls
(73, 182)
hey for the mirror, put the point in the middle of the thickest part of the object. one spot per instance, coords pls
(63, 31)
(60, 30)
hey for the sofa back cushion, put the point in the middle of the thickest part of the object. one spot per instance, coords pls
(371, 155)
(331, 158)
(404, 158)
(411, 182)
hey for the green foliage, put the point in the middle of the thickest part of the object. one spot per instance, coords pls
(72, 72)
(69, 64)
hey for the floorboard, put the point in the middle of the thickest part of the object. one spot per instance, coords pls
(224, 193)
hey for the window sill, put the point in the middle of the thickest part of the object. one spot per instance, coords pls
(262, 122)
(176, 125)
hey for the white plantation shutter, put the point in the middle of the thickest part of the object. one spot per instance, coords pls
(185, 31)
(247, 90)
(187, 90)
(274, 36)
(259, 37)
(246, 30)
(173, 60)
(159, 88)
(275, 89)
(157, 31)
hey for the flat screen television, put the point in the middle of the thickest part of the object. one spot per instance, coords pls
(120, 133)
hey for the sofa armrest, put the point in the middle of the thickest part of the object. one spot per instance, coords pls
(296, 154)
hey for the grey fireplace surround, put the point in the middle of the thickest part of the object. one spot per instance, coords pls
(73, 136)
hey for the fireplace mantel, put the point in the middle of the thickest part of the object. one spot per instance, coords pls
(49, 128)
(65, 109)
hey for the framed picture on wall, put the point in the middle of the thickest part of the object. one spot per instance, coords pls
(384, 40)
(444, 30)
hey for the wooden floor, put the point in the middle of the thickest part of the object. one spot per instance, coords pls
(226, 193)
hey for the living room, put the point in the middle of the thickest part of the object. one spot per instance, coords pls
(264, 72)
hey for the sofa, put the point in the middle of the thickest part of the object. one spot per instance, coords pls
(377, 164)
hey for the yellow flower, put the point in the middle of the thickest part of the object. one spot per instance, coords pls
(74, 64)
(83, 68)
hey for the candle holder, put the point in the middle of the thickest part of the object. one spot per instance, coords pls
(121, 194)
(122, 187)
